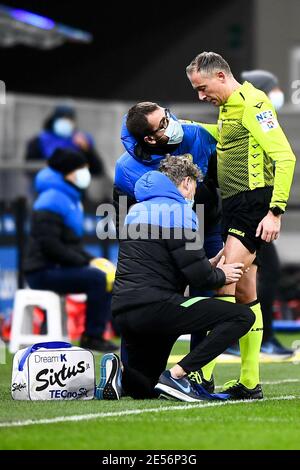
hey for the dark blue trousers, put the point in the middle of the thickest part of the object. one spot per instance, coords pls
(88, 280)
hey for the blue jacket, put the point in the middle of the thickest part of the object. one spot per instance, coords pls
(49, 141)
(55, 238)
(60, 197)
(160, 203)
(46, 142)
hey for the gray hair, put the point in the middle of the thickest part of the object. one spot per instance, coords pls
(179, 167)
(207, 63)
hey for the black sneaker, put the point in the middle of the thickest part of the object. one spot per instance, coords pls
(110, 386)
(97, 344)
(197, 377)
(238, 391)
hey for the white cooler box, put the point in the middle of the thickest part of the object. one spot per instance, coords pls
(53, 371)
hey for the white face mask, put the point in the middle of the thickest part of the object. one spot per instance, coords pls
(277, 99)
(82, 178)
(63, 127)
(174, 131)
(190, 202)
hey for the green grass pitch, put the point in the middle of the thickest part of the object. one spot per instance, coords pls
(273, 423)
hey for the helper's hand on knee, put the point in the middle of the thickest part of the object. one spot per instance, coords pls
(232, 271)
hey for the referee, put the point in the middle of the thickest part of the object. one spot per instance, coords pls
(250, 144)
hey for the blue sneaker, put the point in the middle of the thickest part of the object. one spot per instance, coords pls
(110, 386)
(274, 348)
(183, 389)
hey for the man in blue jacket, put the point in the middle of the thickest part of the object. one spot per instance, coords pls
(56, 259)
(149, 132)
(158, 257)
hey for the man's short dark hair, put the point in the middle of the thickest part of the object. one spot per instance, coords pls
(179, 167)
(208, 62)
(137, 122)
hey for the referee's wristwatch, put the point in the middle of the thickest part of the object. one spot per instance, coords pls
(276, 210)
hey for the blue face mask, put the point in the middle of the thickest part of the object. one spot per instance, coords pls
(63, 127)
(82, 178)
(190, 202)
(174, 131)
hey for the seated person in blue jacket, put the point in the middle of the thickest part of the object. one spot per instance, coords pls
(60, 131)
(55, 258)
(149, 133)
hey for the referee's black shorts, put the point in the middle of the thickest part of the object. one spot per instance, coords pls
(242, 214)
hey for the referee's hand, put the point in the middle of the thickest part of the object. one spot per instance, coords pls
(268, 229)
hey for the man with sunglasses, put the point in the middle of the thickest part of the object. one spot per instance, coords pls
(149, 133)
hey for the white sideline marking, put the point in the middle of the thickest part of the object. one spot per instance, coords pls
(115, 414)
(276, 382)
(272, 382)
